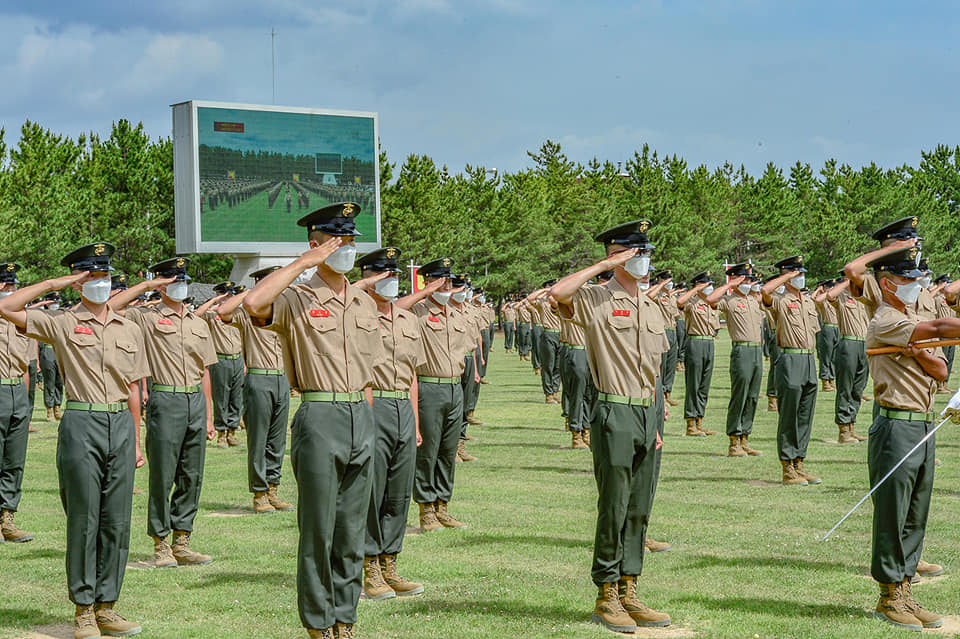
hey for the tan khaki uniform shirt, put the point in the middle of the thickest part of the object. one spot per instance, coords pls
(744, 317)
(701, 318)
(827, 312)
(98, 362)
(446, 339)
(548, 317)
(926, 305)
(262, 348)
(851, 315)
(509, 315)
(898, 381)
(667, 302)
(402, 351)
(571, 333)
(625, 338)
(179, 349)
(16, 350)
(943, 308)
(871, 296)
(534, 311)
(472, 320)
(330, 343)
(796, 321)
(226, 337)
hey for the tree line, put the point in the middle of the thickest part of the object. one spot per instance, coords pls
(511, 231)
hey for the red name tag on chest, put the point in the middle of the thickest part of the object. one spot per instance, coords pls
(165, 321)
(701, 307)
(319, 312)
(792, 306)
(741, 305)
(83, 330)
(431, 318)
(851, 302)
(624, 313)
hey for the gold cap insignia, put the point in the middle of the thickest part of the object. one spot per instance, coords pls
(446, 261)
(913, 253)
(348, 209)
(122, 278)
(180, 262)
(11, 267)
(644, 225)
(913, 222)
(391, 253)
(800, 259)
(99, 249)
(708, 273)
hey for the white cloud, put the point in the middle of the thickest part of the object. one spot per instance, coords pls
(172, 60)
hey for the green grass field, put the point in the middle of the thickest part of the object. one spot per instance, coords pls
(745, 562)
(252, 221)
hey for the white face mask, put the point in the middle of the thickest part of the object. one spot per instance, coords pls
(755, 288)
(4, 294)
(638, 266)
(798, 282)
(459, 297)
(643, 285)
(388, 288)
(668, 286)
(177, 291)
(54, 307)
(441, 298)
(96, 291)
(709, 289)
(342, 259)
(744, 288)
(908, 293)
(925, 281)
(469, 295)
(781, 289)
(482, 299)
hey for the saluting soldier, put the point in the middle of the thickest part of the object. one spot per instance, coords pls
(395, 446)
(796, 321)
(744, 324)
(944, 310)
(667, 302)
(226, 376)
(508, 317)
(578, 389)
(549, 343)
(850, 359)
(828, 337)
(904, 383)
(332, 343)
(98, 446)
(50, 370)
(625, 339)
(479, 298)
(15, 412)
(179, 419)
(266, 402)
(470, 379)
(773, 350)
(702, 321)
(523, 330)
(536, 335)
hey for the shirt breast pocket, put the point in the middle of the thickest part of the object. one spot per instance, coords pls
(368, 334)
(321, 323)
(83, 340)
(621, 322)
(127, 350)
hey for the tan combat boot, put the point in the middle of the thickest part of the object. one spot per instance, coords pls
(462, 452)
(578, 443)
(320, 633)
(892, 608)
(182, 552)
(343, 630)
(50, 416)
(586, 436)
(536, 371)
(927, 618)
(163, 554)
(642, 614)
(609, 611)
(790, 476)
(111, 624)
(446, 519)
(735, 449)
(811, 479)
(844, 437)
(824, 385)
(261, 503)
(702, 429)
(652, 545)
(925, 569)
(473, 421)
(745, 445)
(10, 531)
(222, 439)
(680, 366)
(772, 406)
(470, 438)
(232, 437)
(85, 623)
(692, 430)
(853, 433)
(275, 501)
(57, 413)
(670, 401)
(428, 518)
(374, 587)
(403, 587)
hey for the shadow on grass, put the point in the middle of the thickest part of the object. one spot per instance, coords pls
(21, 617)
(511, 540)
(565, 470)
(787, 564)
(498, 608)
(232, 577)
(519, 445)
(779, 607)
(39, 553)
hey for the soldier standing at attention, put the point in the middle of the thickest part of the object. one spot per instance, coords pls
(266, 402)
(508, 317)
(479, 299)
(549, 344)
(795, 317)
(226, 376)
(850, 359)
(470, 378)
(625, 339)
(523, 330)
(332, 342)
(179, 422)
(773, 350)
(98, 446)
(828, 337)
(744, 323)
(702, 322)
(15, 412)
(904, 383)
(397, 436)
(944, 310)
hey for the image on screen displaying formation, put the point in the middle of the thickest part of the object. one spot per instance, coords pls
(261, 171)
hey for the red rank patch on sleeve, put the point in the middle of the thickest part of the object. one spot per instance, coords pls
(319, 312)
(621, 313)
(165, 321)
(431, 318)
(83, 330)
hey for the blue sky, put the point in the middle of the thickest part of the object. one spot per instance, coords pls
(484, 81)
